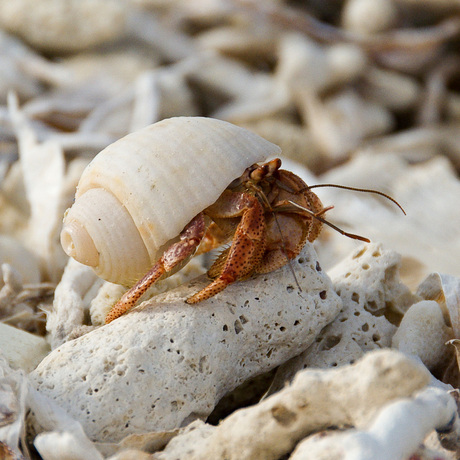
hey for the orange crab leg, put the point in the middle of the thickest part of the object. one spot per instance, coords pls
(248, 244)
(178, 252)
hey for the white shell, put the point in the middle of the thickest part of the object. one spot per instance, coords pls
(163, 175)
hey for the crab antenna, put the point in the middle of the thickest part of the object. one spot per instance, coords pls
(324, 221)
(376, 192)
(284, 252)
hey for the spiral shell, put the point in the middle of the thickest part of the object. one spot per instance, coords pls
(137, 195)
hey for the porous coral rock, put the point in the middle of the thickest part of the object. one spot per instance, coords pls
(373, 297)
(167, 363)
(80, 291)
(316, 399)
(110, 293)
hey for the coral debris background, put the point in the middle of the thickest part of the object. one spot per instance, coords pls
(359, 363)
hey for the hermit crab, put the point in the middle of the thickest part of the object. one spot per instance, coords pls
(133, 226)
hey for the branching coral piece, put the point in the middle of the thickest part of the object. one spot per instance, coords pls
(315, 400)
(395, 434)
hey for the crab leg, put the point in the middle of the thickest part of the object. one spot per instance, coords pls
(248, 245)
(178, 252)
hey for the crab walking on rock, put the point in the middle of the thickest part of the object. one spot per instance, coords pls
(149, 202)
(251, 212)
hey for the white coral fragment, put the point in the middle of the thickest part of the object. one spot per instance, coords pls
(315, 400)
(71, 301)
(303, 63)
(13, 253)
(13, 392)
(65, 446)
(393, 90)
(22, 349)
(43, 168)
(23, 71)
(369, 16)
(423, 332)
(445, 290)
(396, 432)
(63, 25)
(341, 122)
(160, 366)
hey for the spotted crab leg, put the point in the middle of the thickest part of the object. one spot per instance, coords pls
(248, 245)
(177, 253)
